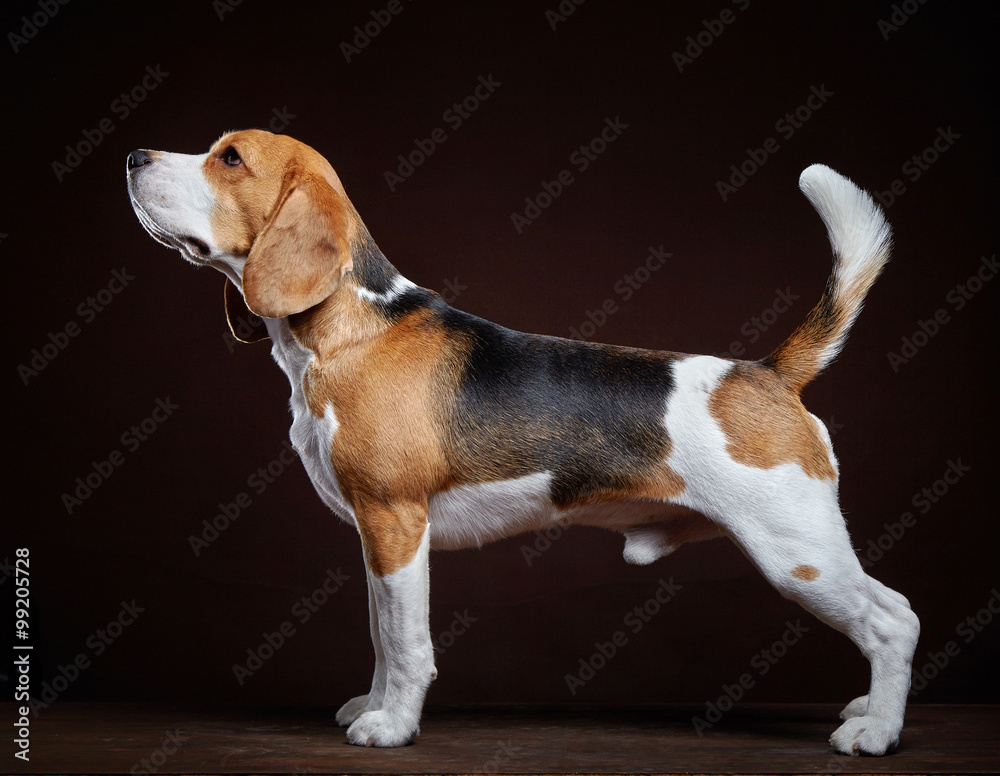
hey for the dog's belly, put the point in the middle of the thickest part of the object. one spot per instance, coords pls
(474, 515)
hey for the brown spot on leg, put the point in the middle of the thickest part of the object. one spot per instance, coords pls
(765, 423)
(806, 573)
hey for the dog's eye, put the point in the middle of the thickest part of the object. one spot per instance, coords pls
(231, 157)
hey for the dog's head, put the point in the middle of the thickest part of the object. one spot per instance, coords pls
(265, 209)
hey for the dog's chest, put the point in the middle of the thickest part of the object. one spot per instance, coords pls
(312, 436)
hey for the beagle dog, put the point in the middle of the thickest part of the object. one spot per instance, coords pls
(426, 427)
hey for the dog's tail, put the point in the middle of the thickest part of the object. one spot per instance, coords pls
(861, 241)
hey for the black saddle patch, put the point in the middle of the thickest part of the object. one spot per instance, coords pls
(590, 414)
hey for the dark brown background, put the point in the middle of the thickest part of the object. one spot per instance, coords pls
(163, 336)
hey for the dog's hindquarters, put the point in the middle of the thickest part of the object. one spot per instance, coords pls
(785, 517)
(777, 498)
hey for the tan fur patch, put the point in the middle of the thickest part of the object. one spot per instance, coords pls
(387, 450)
(765, 423)
(390, 534)
(662, 484)
(807, 573)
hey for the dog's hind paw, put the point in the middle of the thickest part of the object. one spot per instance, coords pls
(380, 728)
(856, 708)
(351, 710)
(865, 735)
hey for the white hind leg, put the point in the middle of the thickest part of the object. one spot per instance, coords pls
(859, 706)
(766, 479)
(808, 557)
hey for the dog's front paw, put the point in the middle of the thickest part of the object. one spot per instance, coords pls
(856, 708)
(351, 710)
(381, 728)
(865, 735)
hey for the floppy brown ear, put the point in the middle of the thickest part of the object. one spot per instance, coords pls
(299, 256)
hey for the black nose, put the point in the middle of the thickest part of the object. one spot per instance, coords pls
(138, 159)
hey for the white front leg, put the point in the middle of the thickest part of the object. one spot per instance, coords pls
(356, 706)
(402, 611)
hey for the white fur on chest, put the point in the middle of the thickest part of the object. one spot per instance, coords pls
(311, 437)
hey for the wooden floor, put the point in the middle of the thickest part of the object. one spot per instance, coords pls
(134, 739)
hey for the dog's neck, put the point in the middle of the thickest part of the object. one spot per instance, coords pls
(362, 308)
(323, 346)
(372, 275)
